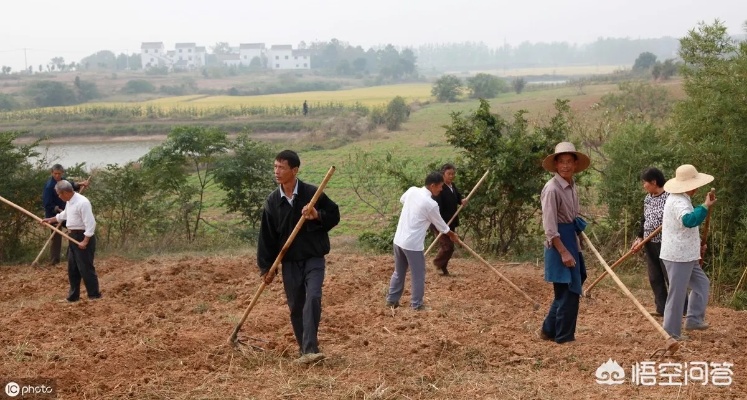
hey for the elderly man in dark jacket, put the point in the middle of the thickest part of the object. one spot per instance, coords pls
(448, 201)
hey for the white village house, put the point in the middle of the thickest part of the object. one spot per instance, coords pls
(153, 54)
(282, 56)
(189, 56)
(250, 51)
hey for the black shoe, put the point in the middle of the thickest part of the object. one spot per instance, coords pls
(98, 296)
(391, 304)
(444, 270)
(420, 308)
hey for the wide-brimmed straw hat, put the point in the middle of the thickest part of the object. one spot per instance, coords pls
(686, 179)
(566, 147)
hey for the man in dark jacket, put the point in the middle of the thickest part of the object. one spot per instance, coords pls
(54, 205)
(303, 264)
(448, 201)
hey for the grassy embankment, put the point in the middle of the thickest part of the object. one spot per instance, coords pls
(422, 140)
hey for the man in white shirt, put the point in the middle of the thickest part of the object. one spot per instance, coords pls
(419, 211)
(80, 222)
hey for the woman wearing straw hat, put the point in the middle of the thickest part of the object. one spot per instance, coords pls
(564, 263)
(681, 250)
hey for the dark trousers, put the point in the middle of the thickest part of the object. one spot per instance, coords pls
(80, 266)
(560, 323)
(54, 249)
(56, 246)
(445, 251)
(303, 281)
(657, 276)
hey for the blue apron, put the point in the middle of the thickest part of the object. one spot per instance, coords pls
(555, 271)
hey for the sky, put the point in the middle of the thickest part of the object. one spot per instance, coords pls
(74, 29)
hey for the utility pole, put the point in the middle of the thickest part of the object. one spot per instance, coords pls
(25, 60)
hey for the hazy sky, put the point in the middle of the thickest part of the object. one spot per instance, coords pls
(74, 29)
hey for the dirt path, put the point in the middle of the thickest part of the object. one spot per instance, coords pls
(159, 333)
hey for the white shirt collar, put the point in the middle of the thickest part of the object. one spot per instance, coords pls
(295, 193)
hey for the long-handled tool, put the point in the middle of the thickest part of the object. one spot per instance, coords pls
(234, 339)
(707, 224)
(466, 199)
(535, 305)
(587, 292)
(671, 344)
(36, 260)
(30, 214)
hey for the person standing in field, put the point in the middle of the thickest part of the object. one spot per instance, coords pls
(81, 225)
(448, 201)
(305, 108)
(303, 265)
(419, 211)
(653, 213)
(54, 205)
(681, 250)
(564, 262)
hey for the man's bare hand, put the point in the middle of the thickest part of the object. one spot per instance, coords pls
(310, 212)
(269, 277)
(568, 259)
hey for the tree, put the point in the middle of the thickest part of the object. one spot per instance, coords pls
(50, 94)
(246, 177)
(256, 64)
(123, 219)
(18, 176)
(343, 68)
(519, 84)
(644, 62)
(664, 70)
(187, 149)
(711, 128)
(221, 48)
(103, 59)
(359, 65)
(512, 151)
(58, 62)
(8, 102)
(86, 90)
(485, 86)
(397, 112)
(447, 88)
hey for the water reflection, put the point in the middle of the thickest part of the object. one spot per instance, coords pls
(96, 154)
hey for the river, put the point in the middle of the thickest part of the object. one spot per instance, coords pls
(96, 154)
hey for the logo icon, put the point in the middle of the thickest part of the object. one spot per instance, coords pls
(610, 373)
(12, 389)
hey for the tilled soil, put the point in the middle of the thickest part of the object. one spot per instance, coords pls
(161, 331)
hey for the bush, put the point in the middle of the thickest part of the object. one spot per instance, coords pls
(138, 86)
(22, 184)
(51, 94)
(8, 102)
(396, 113)
(485, 86)
(380, 241)
(447, 88)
